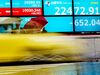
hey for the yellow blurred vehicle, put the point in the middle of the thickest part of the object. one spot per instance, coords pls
(40, 47)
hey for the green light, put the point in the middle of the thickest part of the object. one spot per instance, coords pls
(94, 2)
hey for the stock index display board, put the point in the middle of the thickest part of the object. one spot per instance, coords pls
(64, 7)
(90, 23)
(87, 7)
(87, 23)
(27, 7)
(57, 7)
(62, 15)
(50, 7)
(59, 24)
(4, 7)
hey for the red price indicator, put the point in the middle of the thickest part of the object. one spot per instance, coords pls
(4, 11)
(27, 11)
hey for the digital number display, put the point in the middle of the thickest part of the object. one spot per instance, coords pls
(57, 7)
(87, 7)
(87, 24)
(58, 13)
(5, 8)
(27, 7)
(59, 24)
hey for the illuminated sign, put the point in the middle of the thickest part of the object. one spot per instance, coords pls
(87, 24)
(57, 7)
(87, 7)
(27, 7)
(59, 13)
(59, 24)
(4, 7)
